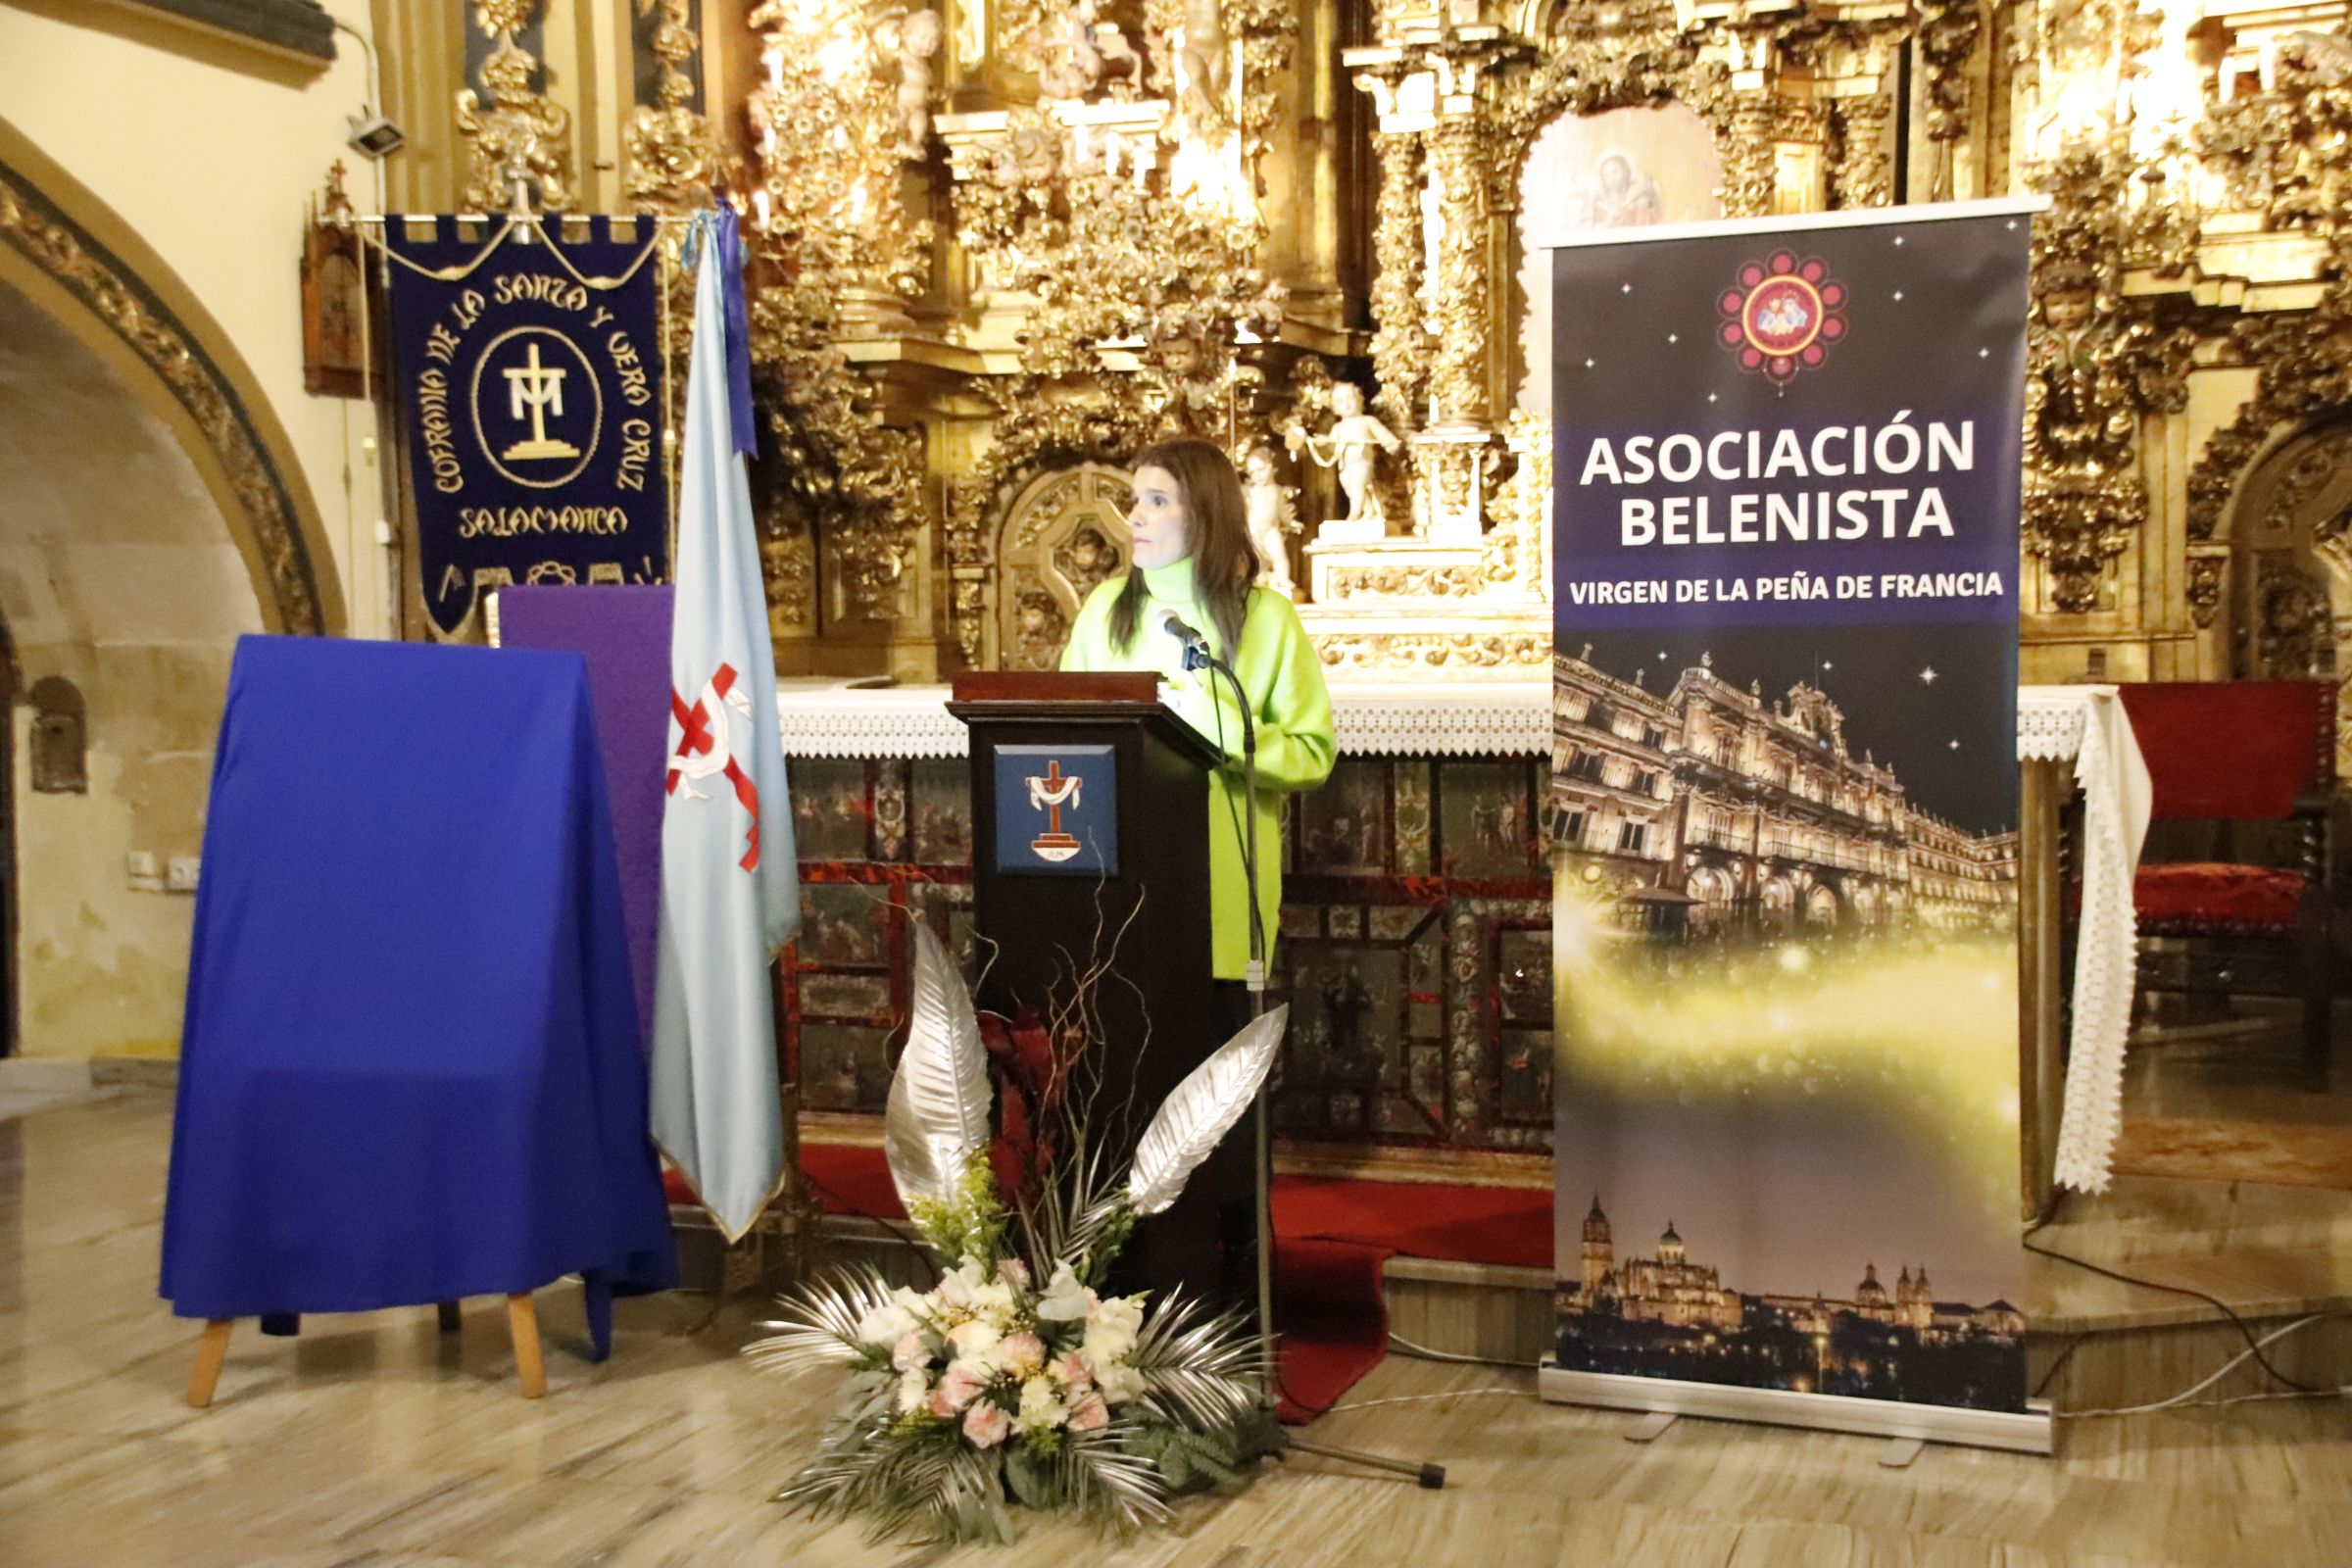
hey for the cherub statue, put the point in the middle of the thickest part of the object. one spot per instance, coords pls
(1271, 520)
(1350, 447)
(913, 38)
(1201, 71)
(1089, 51)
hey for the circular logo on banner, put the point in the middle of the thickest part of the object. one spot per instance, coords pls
(1782, 316)
(537, 407)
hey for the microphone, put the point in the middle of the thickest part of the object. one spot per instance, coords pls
(1171, 623)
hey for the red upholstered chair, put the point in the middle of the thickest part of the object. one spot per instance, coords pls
(2246, 751)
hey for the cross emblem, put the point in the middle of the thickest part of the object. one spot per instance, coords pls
(538, 388)
(1049, 793)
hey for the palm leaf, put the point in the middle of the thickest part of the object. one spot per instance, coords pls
(1201, 1110)
(819, 1325)
(937, 1118)
(1199, 1371)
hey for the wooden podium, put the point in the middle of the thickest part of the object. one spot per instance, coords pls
(1089, 845)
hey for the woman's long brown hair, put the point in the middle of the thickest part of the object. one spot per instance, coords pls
(1223, 562)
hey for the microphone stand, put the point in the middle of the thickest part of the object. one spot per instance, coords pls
(1198, 657)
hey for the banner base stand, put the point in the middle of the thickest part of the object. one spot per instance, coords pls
(2033, 1432)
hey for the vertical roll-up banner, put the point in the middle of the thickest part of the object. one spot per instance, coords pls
(1785, 472)
(528, 366)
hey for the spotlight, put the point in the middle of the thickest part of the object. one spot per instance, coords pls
(375, 136)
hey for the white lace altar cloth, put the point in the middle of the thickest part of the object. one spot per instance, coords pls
(1482, 718)
(2087, 724)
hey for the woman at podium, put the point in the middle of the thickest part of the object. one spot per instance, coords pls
(1194, 572)
(1193, 580)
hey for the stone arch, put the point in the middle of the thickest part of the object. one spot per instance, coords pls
(1821, 906)
(122, 582)
(1712, 888)
(68, 253)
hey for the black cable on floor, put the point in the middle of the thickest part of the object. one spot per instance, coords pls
(910, 1243)
(2245, 1330)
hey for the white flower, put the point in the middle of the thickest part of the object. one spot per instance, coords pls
(1065, 1299)
(993, 1303)
(915, 1391)
(1119, 1383)
(886, 1324)
(957, 1285)
(1111, 1328)
(911, 1351)
(974, 1341)
(1041, 1406)
(987, 1425)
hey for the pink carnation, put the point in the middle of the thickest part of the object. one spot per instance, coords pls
(960, 1386)
(987, 1425)
(910, 1352)
(1070, 1369)
(1089, 1415)
(1013, 1272)
(1021, 1354)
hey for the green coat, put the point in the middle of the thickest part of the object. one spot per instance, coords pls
(1279, 671)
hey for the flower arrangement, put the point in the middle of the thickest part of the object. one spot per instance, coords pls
(1014, 1378)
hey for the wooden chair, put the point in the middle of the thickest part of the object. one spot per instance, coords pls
(2246, 751)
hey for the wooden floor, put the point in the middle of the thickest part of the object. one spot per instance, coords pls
(374, 1440)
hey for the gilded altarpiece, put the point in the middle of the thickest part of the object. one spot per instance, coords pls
(999, 245)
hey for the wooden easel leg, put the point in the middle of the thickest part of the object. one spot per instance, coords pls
(523, 1322)
(453, 1317)
(210, 1351)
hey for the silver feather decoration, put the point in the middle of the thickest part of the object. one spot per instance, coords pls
(1203, 1107)
(937, 1118)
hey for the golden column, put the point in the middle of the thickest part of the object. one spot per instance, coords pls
(1401, 343)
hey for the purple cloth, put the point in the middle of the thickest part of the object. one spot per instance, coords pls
(624, 632)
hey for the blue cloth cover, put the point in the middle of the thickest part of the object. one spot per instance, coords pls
(410, 1068)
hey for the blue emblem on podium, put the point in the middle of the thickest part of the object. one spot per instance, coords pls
(1057, 811)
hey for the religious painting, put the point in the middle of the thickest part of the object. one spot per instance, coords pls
(830, 809)
(841, 923)
(1365, 1053)
(844, 1068)
(1342, 828)
(1484, 819)
(1523, 977)
(845, 996)
(943, 811)
(1625, 169)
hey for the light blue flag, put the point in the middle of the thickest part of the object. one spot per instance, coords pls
(730, 881)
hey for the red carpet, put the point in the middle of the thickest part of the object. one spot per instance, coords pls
(1331, 1240)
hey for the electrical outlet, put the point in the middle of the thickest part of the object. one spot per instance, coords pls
(180, 875)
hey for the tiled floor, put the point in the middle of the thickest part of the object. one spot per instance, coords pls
(371, 1439)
